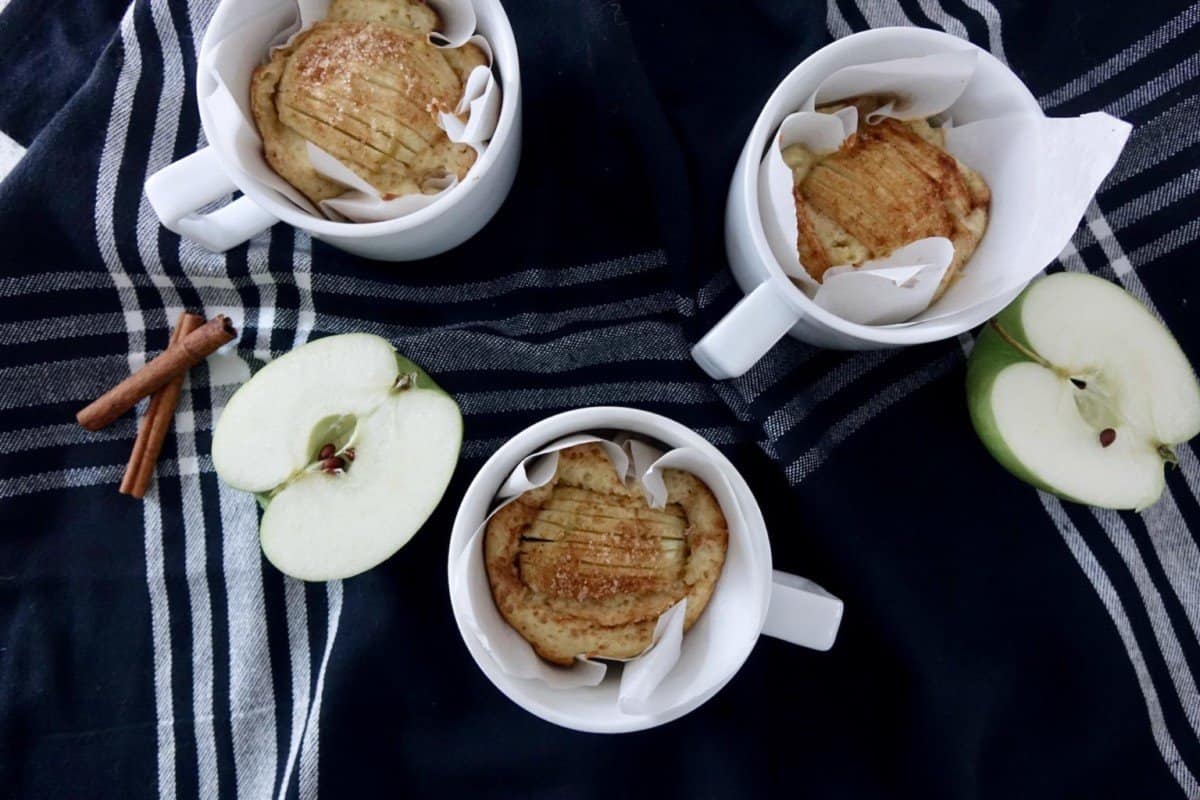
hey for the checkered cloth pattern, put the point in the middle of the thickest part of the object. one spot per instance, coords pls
(997, 642)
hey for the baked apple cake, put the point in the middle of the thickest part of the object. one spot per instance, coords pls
(584, 566)
(890, 184)
(366, 86)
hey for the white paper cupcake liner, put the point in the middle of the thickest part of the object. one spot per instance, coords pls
(1042, 173)
(231, 61)
(642, 676)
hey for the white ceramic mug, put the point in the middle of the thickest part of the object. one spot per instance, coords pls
(180, 190)
(779, 604)
(773, 305)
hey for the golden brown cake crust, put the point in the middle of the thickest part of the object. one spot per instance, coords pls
(583, 565)
(284, 149)
(890, 184)
(366, 86)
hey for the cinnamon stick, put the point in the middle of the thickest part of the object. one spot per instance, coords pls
(156, 421)
(172, 362)
(143, 434)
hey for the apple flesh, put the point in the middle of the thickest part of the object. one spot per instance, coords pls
(1078, 389)
(349, 448)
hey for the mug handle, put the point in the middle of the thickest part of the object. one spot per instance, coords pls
(746, 333)
(801, 612)
(177, 190)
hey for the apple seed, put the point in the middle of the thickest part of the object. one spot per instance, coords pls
(349, 454)
(332, 465)
(1079, 383)
(1107, 437)
(326, 452)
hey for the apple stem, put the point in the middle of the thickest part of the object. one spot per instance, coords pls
(1025, 351)
(405, 381)
(1167, 454)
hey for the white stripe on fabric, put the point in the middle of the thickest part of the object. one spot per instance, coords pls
(1160, 85)
(882, 13)
(714, 288)
(111, 159)
(77, 477)
(991, 18)
(1098, 226)
(162, 148)
(533, 278)
(199, 602)
(197, 260)
(260, 273)
(52, 436)
(537, 399)
(251, 689)
(302, 274)
(1112, 603)
(1175, 546)
(160, 629)
(303, 698)
(82, 379)
(529, 323)
(301, 662)
(809, 461)
(1164, 632)
(522, 324)
(835, 22)
(49, 329)
(1173, 559)
(76, 380)
(1177, 552)
(310, 752)
(459, 350)
(1143, 47)
(40, 282)
(71, 478)
(1167, 243)
(1132, 211)
(482, 448)
(1158, 140)
(940, 16)
(252, 701)
(87, 476)
(542, 278)
(788, 416)
(486, 402)
(82, 281)
(1155, 200)
(780, 362)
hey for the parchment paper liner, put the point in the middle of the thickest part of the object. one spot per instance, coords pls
(232, 60)
(641, 676)
(1042, 173)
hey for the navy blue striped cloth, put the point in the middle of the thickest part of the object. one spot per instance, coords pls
(997, 642)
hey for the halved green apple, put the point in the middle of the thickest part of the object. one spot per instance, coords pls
(1078, 389)
(348, 446)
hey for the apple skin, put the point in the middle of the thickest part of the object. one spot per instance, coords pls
(1141, 354)
(423, 379)
(988, 359)
(309, 529)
